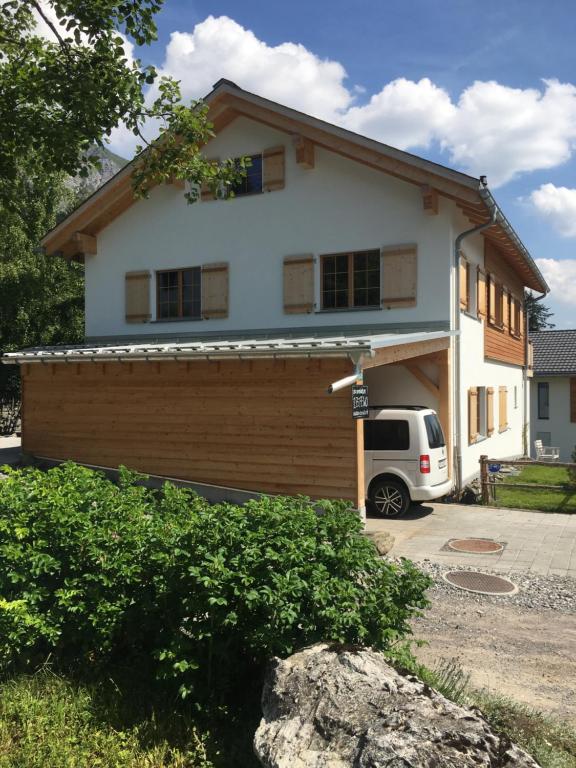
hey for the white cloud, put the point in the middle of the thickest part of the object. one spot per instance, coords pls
(560, 275)
(404, 114)
(288, 73)
(558, 206)
(489, 129)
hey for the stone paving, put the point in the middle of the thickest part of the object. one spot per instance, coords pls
(536, 542)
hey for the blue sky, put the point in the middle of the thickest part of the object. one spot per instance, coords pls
(488, 88)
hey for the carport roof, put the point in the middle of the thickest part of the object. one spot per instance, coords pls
(307, 346)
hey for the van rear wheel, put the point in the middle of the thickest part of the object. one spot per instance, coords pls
(390, 498)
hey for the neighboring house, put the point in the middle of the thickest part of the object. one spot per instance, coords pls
(214, 329)
(553, 397)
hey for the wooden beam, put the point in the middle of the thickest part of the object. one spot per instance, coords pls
(419, 374)
(429, 200)
(304, 152)
(395, 354)
(445, 403)
(352, 149)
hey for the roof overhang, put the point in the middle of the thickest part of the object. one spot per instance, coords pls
(227, 102)
(354, 347)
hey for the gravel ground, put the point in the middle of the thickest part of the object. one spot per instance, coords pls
(554, 593)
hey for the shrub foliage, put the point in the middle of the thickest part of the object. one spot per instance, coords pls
(92, 571)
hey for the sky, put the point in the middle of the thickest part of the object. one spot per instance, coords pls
(488, 88)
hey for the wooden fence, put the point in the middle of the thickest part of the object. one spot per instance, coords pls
(489, 483)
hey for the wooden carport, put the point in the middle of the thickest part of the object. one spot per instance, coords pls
(252, 415)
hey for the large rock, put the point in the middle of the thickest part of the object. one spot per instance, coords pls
(327, 708)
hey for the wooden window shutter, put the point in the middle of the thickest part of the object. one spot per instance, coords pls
(513, 316)
(298, 285)
(481, 295)
(520, 330)
(573, 400)
(215, 290)
(472, 414)
(399, 276)
(489, 411)
(464, 285)
(506, 302)
(273, 171)
(491, 300)
(137, 292)
(502, 408)
(205, 190)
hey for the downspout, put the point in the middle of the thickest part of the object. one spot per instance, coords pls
(456, 327)
(526, 443)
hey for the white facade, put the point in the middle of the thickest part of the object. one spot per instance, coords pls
(341, 205)
(556, 430)
(338, 206)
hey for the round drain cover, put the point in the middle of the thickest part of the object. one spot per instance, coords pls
(477, 546)
(483, 583)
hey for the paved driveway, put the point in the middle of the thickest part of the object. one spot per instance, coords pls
(9, 450)
(539, 542)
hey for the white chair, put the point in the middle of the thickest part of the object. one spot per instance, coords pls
(546, 452)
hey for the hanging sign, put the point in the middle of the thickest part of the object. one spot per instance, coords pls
(360, 401)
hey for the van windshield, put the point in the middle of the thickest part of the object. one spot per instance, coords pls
(434, 431)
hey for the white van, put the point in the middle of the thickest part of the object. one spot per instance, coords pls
(405, 458)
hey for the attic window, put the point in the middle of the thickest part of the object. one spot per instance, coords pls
(251, 184)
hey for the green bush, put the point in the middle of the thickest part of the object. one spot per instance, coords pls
(92, 571)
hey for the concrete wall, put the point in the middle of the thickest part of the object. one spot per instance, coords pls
(562, 430)
(340, 205)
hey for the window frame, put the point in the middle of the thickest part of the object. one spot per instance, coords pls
(350, 287)
(543, 386)
(180, 317)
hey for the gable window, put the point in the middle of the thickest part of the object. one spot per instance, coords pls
(251, 184)
(351, 280)
(178, 294)
(543, 400)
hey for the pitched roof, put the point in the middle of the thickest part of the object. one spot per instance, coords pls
(554, 353)
(227, 101)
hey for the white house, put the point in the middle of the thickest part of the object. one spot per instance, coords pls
(214, 329)
(553, 397)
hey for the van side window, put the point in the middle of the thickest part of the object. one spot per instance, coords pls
(386, 435)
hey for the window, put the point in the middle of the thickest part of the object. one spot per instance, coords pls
(351, 280)
(515, 397)
(251, 184)
(434, 431)
(515, 320)
(495, 302)
(543, 400)
(386, 435)
(178, 294)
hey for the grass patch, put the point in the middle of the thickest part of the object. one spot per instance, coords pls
(533, 498)
(48, 721)
(550, 741)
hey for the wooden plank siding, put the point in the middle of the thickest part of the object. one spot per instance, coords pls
(499, 344)
(260, 425)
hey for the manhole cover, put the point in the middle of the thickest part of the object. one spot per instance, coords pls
(483, 583)
(478, 546)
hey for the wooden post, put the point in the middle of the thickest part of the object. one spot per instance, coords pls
(484, 480)
(444, 404)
